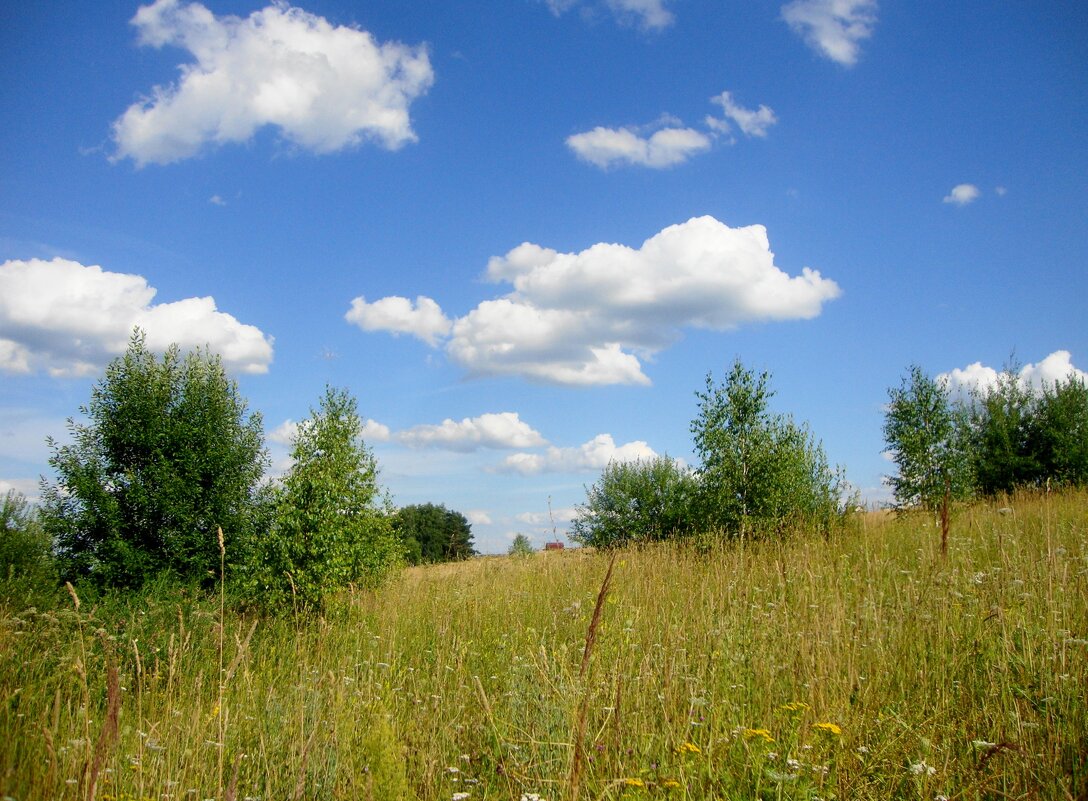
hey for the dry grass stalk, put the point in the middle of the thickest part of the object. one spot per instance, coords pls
(583, 707)
(108, 735)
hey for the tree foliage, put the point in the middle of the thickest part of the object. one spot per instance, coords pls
(167, 456)
(1059, 433)
(521, 546)
(928, 438)
(24, 545)
(759, 472)
(433, 534)
(639, 501)
(331, 525)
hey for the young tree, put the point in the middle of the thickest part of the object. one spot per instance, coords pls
(167, 456)
(433, 533)
(332, 527)
(520, 546)
(928, 438)
(24, 546)
(1001, 422)
(1058, 438)
(639, 501)
(759, 472)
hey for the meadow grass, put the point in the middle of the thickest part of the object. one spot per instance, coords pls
(865, 666)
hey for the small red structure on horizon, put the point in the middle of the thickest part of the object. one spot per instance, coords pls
(553, 546)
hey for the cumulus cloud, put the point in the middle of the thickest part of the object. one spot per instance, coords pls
(977, 377)
(478, 517)
(423, 319)
(588, 318)
(751, 123)
(324, 87)
(287, 431)
(547, 519)
(590, 456)
(502, 430)
(833, 28)
(667, 143)
(69, 319)
(606, 147)
(962, 194)
(646, 14)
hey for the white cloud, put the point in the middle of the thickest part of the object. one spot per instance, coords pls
(502, 430)
(590, 456)
(647, 14)
(962, 194)
(216, 200)
(286, 432)
(324, 87)
(29, 488)
(751, 123)
(423, 319)
(70, 319)
(1001, 191)
(588, 318)
(605, 147)
(833, 28)
(478, 517)
(1058, 366)
(547, 519)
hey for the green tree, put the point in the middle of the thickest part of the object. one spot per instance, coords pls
(1058, 440)
(24, 545)
(332, 527)
(520, 546)
(759, 472)
(167, 456)
(639, 501)
(1001, 424)
(433, 533)
(930, 441)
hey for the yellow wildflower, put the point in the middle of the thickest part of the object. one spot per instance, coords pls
(830, 728)
(634, 782)
(795, 706)
(689, 748)
(763, 734)
(670, 783)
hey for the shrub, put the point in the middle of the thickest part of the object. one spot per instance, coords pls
(168, 455)
(26, 560)
(759, 472)
(331, 527)
(520, 546)
(640, 501)
(433, 533)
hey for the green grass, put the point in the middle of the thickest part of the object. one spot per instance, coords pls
(962, 677)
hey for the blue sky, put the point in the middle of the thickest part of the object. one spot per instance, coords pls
(522, 233)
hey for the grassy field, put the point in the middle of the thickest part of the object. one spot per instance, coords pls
(864, 667)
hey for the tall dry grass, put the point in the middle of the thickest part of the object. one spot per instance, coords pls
(868, 667)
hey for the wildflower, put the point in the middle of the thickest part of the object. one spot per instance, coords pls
(689, 748)
(795, 706)
(670, 783)
(830, 728)
(764, 734)
(922, 769)
(634, 782)
(460, 796)
(982, 745)
(531, 797)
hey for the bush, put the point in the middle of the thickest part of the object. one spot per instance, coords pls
(168, 456)
(759, 472)
(640, 501)
(26, 560)
(433, 534)
(520, 546)
(332, 527)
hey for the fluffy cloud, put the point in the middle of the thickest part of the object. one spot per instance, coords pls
(647, 14)
(398, 315)
(605, 147)
(586, 318)
(70, 319)
(503, 430)
(665, 143)
(751, 123)
(833, 28)
(478, 517)
(286, 432)
(962, 194)
(591, 456)
(1058, 366)
(324, 87)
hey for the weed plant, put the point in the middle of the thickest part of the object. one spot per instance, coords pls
(864, 667)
